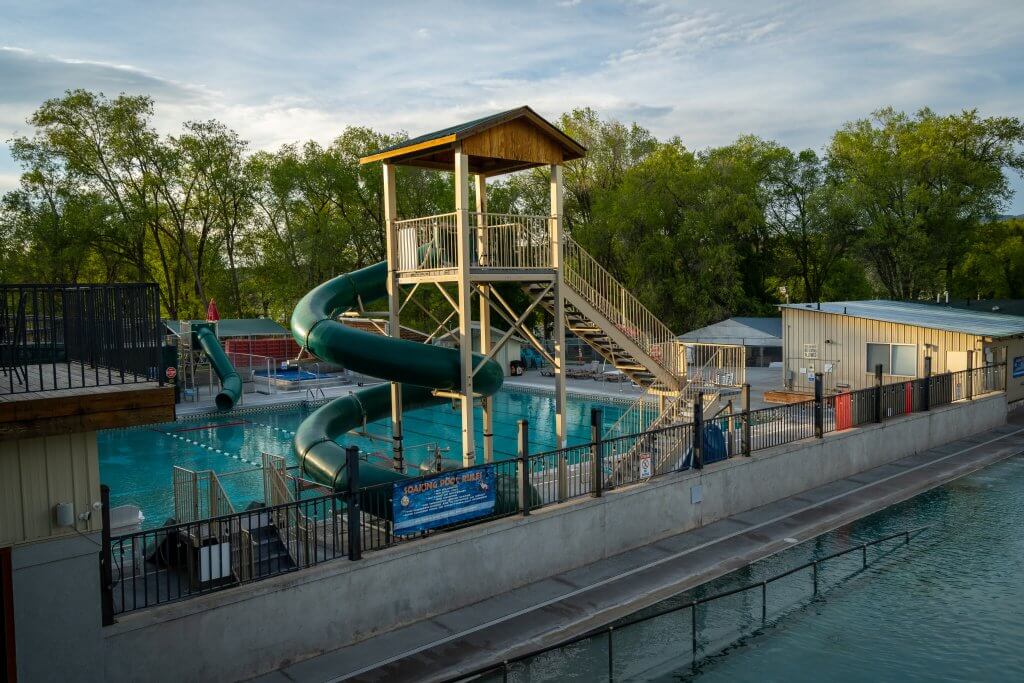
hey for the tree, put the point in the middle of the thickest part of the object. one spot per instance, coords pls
(808, 211)
(993, 266)
(921, 186)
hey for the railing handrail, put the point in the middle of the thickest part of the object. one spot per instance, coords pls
(600, 287)
(551, 477)
(908, 534)
(447, 214)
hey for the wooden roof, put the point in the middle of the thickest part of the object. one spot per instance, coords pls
(501, 143)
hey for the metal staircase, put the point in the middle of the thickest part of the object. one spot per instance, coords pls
(604, 314)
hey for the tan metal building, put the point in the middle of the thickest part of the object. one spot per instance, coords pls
(844, 340)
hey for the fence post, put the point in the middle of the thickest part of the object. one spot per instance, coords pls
(106, 572)
(745, 398)
(926, 400)
(524, 466)
(970, 375)
(819, 407)
(596, 474)
(878, 393)
(698, 432)
(354, 521)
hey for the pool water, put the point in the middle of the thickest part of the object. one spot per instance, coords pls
(949, 607)
(292, 374)
(137, 463)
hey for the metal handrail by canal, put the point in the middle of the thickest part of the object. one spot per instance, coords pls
(505, 667)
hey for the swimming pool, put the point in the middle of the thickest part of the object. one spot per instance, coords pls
(292, 374)
(137, 463)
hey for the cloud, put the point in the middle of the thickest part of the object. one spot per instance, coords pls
(706, 71)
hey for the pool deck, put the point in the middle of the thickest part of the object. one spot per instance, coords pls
(550, 611)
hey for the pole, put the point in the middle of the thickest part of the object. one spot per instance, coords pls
(354, 514)
(596, 473)
(926, 400)
(698, 432)
(819, 407)
(878, 393)
(523, 469)
(970, 375)
(106, 573)
(745, 398)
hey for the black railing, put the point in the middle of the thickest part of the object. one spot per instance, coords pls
(177, 561)
(600, 643)
(69, 336)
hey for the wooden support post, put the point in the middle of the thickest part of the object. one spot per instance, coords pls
(485, 311)
(465, 303)
(559, 355)
(394, 307)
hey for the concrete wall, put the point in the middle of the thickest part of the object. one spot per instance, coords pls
(252, 629)
(57, 619)
(38, 473)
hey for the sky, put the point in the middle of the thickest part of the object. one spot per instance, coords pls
(708, 72)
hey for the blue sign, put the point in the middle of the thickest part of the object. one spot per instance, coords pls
(1018, 366)
(442, 499)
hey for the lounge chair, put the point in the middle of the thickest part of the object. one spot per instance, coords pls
(586, 372)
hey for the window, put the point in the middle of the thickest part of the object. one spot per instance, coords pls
(878, 354)
(895, 359)
(904, 360)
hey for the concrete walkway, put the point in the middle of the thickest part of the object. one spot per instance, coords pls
(550, 611)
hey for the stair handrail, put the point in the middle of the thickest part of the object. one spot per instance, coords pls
(594, 283)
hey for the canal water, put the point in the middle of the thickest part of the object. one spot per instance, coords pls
(950, 606)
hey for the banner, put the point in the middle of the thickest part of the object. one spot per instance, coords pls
(442, 499)
(1018, 366)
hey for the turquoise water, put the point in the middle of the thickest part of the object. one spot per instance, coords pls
(949, 607)
(137, 463)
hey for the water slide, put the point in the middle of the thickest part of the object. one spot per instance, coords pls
(420, 368)
(230, 382)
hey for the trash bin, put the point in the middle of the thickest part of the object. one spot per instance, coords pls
(516, 368)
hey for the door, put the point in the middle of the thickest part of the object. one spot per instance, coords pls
(956, 363)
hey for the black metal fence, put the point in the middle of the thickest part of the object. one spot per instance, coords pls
(68, 336)
(177, 561)
(599, 647)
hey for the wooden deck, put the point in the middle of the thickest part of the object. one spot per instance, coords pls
(64, 398)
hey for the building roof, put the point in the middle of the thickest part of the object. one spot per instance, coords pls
(1005, 306)
(745, 330)
(237, 327)
(982, 323)
(500, 143)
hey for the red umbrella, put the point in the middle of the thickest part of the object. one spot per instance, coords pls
(212, 314)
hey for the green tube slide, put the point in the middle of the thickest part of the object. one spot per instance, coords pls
(420, 368)
(230, 382)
